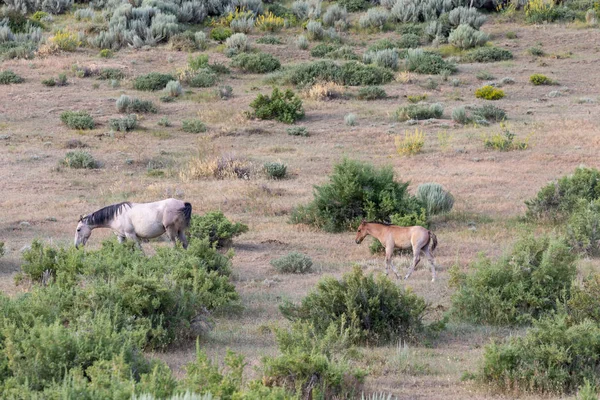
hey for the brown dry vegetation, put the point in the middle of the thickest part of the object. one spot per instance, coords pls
(40, 200)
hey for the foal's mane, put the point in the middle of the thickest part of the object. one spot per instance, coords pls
(106, 214)
(380, 223)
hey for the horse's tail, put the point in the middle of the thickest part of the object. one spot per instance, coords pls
(187, 213)
(433, 240)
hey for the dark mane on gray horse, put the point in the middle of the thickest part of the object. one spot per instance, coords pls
(106, 214)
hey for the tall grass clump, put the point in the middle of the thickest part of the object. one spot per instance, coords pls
(372, 310)
(282, 106)
(539, 11)
(152, 81)
(77, 119)
(435, 198)
(410, 143)
(419, 111)
(356, 191)
(529, 281)
(558, 199)
(215, 228)
(294, 262)
(79, 160)
(126, 104)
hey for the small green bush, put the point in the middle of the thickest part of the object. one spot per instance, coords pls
(427, 63)
(487, 54)
(517, 288)
(297, 131)
(584, 303)
(583, 227)
(466, 37)
(537, 12)
(77, 119)
(488, 92)
(322, 49)
(294, 262)
(125, 124)
(435, 198)
(203, 78)
(79, 160)
(356, 191)
(459, 114)
(1, 249)
(539, 79)
(352, 74)
(536, 51)
(216, 228)
(105, 53)
(354, 5)
(275, 170)
(198, 62)
(419, 111)
(193, 126)
(373, 310)
(7, 77)
(504, 141)
(269, 39)
(371, 93)
(220, 34)
(111, 73)
(152, 81)
(489, 112)
(554, 356)
(282, 106)
(258, 63)
(126, 104)
(558, 199)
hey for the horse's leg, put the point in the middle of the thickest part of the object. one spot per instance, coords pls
(135, 238)
(121, 239)
(182, 239)
(389, 254)
(431, 261)
(172, 234)
(416, 259)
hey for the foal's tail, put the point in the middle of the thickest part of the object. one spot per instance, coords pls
(433, 240)
(187, 213)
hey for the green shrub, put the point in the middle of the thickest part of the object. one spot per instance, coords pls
(282, 106)
(372, 310)
(583, 227)
(313, 365)
(126, 104)
(351, 74)
(488, 92)
(152, 81)
(371, 93)
(504, 141)
(489, 112)
(539, 79)
(521, 286)
(220, 34)
(584, 303)
(275, 170)
(487, 54)
(538, 11)
(427, 63)
(198, 62)
(7, 77)
(355, 191)
(536, 51)
(554, 356)
(409, 41)
(77, 119)
(484, 76)
(419, 111)
(466, 37)
(111, 73)
(202, 79)
(435, 198)
(215, 228)
(294, 262)
(193, 126)
(173, 89)
(558, 199)
(125, 124)
(343, 53)
(297, 131)
(105, 53)
(269, 39)
(1, 249)
(322, 49)
(354, 5)
(258, 63)
(459, 114)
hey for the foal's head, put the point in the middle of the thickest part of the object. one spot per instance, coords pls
(362, 232)
(83, 232)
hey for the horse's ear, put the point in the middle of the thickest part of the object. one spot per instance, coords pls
(80, 217)
(364, 221)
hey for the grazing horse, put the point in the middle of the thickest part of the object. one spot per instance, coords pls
(137, 221)
(392, 236)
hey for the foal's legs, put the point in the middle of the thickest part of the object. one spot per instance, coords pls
(389, 253)
(416, 259)
(431, 261)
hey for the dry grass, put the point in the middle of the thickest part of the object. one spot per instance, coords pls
(325, 91)
(489, 187)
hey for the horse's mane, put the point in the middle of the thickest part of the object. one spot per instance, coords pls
(380, 223)
(106, 214)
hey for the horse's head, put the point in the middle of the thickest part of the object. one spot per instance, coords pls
(362, 232)
(83, 232)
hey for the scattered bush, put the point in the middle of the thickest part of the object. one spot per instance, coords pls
(202, 79)
(201, 41)
(372, 310)
(583, 227)
(536, 51)
(350, 119)
(411, 143)
(322, 49)
(173, 89)
(294, 263)
(7, 77)
(269, 39)
(416, 98)
(484, 76)
(282, 106)
(489, 92)
(60, 81)
(237, 43)
(490, 113)
(124, 124)
(302, 42)
(375, 18)
(258, 63)
(539, 11)
(77, 119)
(111, 73)
(152, 81)
(466, 16)
(275, 170)
(297, 131)
(382, 58)
(584, 303)
(465, 37)
(184, 41)
(459, 114)
(65, 41)
(336, 16)
(487, 54)
(521, 286)
(126, 104)
(356, 191)
(220, 34)
(371, 93)
(193, 126)
(79, 160)
(216, 228)
(419, 111)
(435, 198)
(314, 30)
(504, 141)
(427, 63)
(351, 73)
(539, 79)
(269, 22)
(554, 356)
(225, 92)
(558, 199)
(354, 5)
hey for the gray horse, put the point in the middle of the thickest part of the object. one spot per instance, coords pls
(138, 221)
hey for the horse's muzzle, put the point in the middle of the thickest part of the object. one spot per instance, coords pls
(357, 241)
